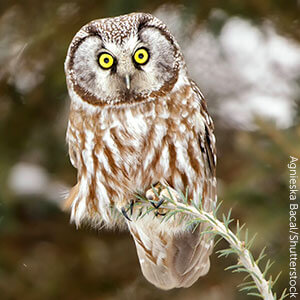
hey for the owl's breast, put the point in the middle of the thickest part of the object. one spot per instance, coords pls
(119, 149)
(119, 152)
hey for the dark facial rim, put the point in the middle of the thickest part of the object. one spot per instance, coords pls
(75, 46)
(164, 33)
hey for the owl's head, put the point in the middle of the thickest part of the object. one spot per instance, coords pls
(123, 60)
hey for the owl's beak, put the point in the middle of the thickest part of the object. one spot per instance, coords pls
(127, 81)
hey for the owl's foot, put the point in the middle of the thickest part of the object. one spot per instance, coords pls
(156, 196)
(124, 210)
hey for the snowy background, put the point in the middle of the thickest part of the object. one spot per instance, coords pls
(246, 60)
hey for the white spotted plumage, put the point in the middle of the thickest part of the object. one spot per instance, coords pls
(123, 138)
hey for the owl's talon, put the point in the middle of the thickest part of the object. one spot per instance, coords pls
(131, 206)
(124, 212)
(157, 213)
(155, 196)
(157, 204)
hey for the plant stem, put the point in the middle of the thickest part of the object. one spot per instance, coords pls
(244, 254)
(246, 262)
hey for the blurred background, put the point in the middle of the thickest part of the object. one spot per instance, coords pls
(244, 55)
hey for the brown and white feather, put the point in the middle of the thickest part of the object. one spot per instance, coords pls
(124, 146)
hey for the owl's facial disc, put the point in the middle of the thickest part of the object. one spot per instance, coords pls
(110, 67)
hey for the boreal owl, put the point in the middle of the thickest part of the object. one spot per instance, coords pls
(136, 121)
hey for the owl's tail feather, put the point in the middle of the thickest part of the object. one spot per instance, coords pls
(171, 260)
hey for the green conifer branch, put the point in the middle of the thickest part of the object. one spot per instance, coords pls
(259, 286)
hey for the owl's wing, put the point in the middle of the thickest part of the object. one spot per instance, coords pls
(209, 140)
(169, 259)
(197, 261)
(207, 143)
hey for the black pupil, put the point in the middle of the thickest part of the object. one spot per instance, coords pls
(141, 55)
(106, 60)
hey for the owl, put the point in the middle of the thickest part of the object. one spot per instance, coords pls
(136, 121)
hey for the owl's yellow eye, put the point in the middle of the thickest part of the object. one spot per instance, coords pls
(141, 56)
(106, 61)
